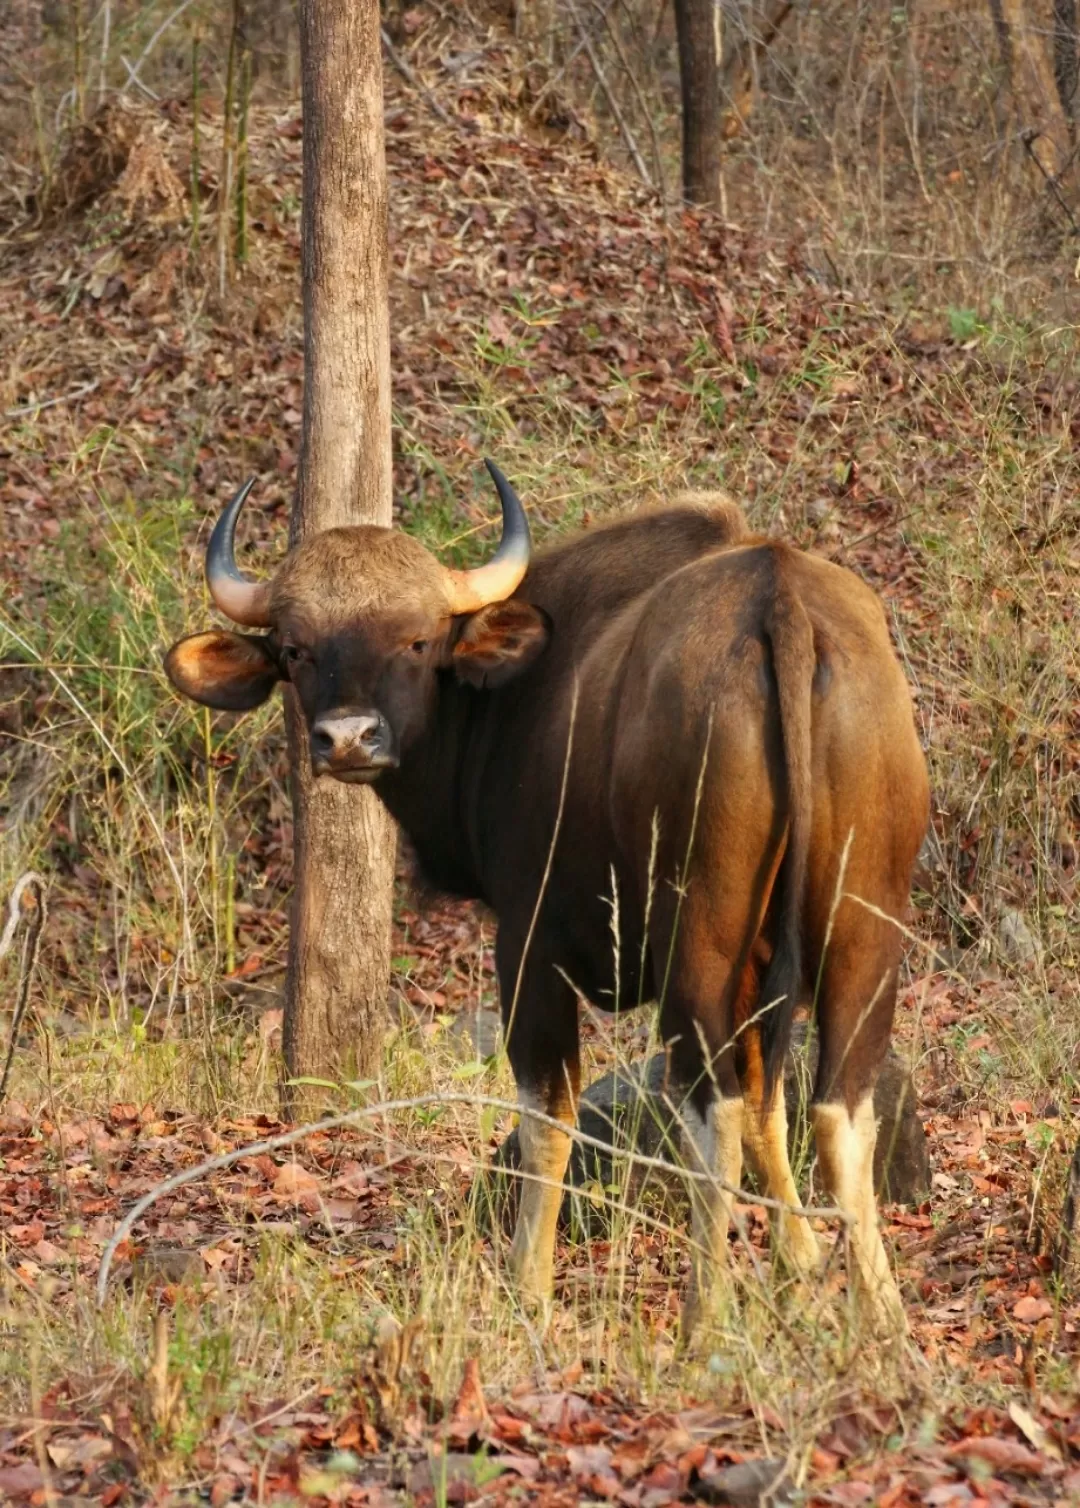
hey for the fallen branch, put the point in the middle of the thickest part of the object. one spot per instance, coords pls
(388, 1107)
(1029, 137)
(409, 74)
(30, 880)
(613, 104)
(36, 408)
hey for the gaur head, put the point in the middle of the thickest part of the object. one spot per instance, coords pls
(362, 621)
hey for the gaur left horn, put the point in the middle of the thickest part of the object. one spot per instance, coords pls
(471, 590)
(238, 595)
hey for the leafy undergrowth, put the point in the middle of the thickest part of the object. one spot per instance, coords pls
(320, 1327)
(324, 1314)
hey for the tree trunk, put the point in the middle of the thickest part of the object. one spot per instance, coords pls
(697, 24)
(339, 946)
(1029, 56)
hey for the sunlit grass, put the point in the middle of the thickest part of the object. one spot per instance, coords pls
(151, 820)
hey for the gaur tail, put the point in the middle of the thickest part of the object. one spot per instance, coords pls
(791, 639)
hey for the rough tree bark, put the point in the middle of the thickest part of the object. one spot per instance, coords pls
(339, 945)
(1032, 52)
(697, 25)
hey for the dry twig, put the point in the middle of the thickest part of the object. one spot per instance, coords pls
(134, 69)
(603, 12)
(1029, 137)
(613, 104)
(30, 880)
(36, 408)
(419, 1102)
(409, 74)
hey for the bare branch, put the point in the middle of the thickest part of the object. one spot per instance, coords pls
(658, 162)
(30, 880)
(135, 70)
(36, 408)
(408, 73)
(613, 104)
(388, 1107)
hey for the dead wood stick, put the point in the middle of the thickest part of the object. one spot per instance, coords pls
(613, 104)
(409, 74)
(418, 1102)
(36, 408)
(30, 880)
(639, 93)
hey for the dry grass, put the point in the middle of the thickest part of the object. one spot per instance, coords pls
(934, 455)
(149, 853)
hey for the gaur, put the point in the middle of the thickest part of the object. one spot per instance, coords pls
(702, 731)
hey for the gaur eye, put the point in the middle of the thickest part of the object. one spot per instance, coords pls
(418, 646)
(292, 654)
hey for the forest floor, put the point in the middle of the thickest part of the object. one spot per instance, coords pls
(339, 1327)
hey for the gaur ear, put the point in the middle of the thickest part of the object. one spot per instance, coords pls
(499, 642)
(232, 672)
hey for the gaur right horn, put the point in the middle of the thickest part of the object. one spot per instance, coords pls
(238, 595)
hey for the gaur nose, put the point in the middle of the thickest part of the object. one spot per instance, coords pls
(348, 740)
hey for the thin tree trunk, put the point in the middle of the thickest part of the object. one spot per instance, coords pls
(697, 25)
(1042, 117)
(344, 841)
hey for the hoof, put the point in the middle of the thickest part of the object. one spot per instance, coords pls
(797, 1250)
(534, 1280)
(882, 1312)
(703, 1307)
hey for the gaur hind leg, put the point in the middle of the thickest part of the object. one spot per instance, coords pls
(765, 1138)
(695, 1019)
(855, 1011)
(539, 1012)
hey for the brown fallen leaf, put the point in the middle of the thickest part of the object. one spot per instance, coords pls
(1030, 1309)
(524, 1466)
(20, 1481)
(223, 1490)
(588, 1460)
(1036, 1433)
(251, 965)
(469, 1414)
(292, 1180)
(1002, 1455)
(70, 1454)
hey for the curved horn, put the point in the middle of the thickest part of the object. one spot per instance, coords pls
(471, 590)
(239, 596)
